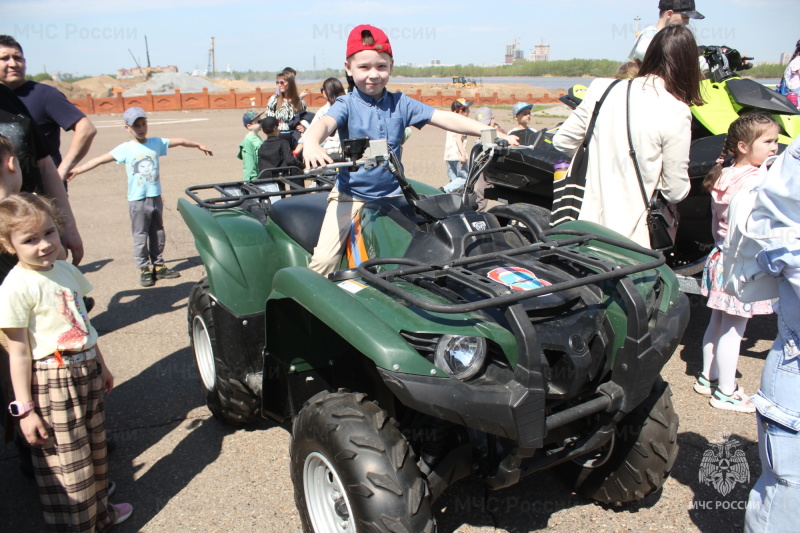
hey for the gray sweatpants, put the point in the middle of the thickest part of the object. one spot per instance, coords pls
(147, 228)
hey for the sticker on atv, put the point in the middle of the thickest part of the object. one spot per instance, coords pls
(517, 278)
(352, 286)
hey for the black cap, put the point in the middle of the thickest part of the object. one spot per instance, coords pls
(268, 124)
(680, 6)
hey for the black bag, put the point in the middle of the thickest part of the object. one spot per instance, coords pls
(662, 222)
(662, 216)
(568, 192)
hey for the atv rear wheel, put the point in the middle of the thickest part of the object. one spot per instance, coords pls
(523, 217)
(645, 450)
(227, 398)
(354, 471)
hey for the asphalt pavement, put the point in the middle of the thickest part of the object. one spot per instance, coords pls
(183, 470)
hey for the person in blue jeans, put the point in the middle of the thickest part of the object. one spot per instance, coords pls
(775, 498)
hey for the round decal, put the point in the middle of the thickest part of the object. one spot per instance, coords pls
(519, 279)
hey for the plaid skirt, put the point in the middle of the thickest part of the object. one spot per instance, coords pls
(71, 466)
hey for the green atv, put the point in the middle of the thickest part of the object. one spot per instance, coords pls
(450, 343)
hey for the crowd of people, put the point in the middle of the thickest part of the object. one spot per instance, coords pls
(55, 372)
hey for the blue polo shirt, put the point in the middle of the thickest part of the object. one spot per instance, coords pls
(51, 110)
(359, 115)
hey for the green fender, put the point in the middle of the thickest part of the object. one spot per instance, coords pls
(350, 319)
(668, 277)
(232, 247)
(211, 239)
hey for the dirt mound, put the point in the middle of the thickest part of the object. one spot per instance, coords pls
(167, 82)
(99, 86)
(70, 90)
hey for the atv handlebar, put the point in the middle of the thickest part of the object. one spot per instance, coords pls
(723, 61)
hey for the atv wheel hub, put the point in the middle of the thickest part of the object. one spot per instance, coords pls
(328, 507)
(204, 353)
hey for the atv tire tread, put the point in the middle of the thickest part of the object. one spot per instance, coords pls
(372, 458)
(231, 400)
(637, 470)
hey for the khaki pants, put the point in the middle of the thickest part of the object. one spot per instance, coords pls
(339, 216)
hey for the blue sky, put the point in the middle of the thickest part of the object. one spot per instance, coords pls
(89, 37)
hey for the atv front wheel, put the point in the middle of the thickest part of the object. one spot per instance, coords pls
(645, 450)
(354, 471)
(227, 398)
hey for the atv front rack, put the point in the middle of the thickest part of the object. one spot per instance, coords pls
(235, 193)
(493, 293)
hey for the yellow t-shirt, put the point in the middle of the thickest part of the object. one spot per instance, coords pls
(50, 305)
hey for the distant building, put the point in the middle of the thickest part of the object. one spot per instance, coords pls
(786, 57)
(436, 62)
(541, 52)
(138, 71)
(513, 53)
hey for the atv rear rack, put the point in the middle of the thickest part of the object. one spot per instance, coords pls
(494, 293)
(235, 193)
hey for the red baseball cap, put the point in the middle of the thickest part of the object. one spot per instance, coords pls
(355, 41)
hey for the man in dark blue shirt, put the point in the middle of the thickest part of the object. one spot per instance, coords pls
(48, 106)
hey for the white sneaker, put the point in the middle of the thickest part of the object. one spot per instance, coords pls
(737, 401)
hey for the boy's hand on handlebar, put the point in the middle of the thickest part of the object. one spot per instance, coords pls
(315, 156)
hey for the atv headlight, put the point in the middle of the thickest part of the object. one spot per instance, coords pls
(461, 357)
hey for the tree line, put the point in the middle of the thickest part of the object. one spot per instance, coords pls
(569, 68)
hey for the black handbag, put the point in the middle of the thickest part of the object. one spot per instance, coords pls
(568, 192)
(662, 216)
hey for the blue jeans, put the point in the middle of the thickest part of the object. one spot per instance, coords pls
(775, 498)
(457, 174)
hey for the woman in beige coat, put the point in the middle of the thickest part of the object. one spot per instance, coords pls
(667, 84)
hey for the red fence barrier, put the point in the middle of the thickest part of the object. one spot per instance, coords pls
(259, 99)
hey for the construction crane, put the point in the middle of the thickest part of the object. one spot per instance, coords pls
(149, 70)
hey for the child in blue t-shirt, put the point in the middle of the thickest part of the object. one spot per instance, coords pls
(140, 156)
(369, 111)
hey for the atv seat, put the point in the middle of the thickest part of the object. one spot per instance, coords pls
(301, 217)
